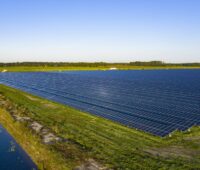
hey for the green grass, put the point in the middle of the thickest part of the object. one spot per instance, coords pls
(39, 153)
(61, 68)
(109, 143)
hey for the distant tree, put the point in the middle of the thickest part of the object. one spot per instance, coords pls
(97, 64)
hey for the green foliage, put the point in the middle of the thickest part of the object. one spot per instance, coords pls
(95, 64)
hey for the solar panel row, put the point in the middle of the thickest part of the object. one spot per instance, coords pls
(157, 102)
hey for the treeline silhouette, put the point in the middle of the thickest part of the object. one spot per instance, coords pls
(97, 64)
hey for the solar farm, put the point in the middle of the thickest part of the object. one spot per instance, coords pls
(154, 101)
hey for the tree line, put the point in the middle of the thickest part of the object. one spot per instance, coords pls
(97, 64)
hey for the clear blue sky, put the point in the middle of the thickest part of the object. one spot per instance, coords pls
(100, 30)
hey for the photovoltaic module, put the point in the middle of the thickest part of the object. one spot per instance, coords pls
(154, 101)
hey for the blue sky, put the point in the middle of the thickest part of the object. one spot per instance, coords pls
(100, 30)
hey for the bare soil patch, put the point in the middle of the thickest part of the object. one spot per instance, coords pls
(173, 151)
(31, 98)
(49, 105)
(192, 138)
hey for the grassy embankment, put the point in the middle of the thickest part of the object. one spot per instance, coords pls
(107, 142)
(31, 143)
(65, 68)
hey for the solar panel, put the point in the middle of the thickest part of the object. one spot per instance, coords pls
(154, 101)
